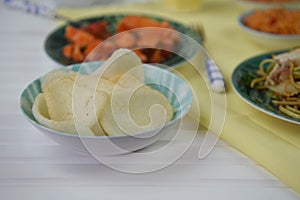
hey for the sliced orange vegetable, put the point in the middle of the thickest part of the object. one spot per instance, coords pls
(70, 31)
(91, 46)
(84, 40)
(125, 40)
(156, 56)
(141, 55)
(98, 30)
(77, 54)
(78, 36)
(68, 50)
(131, 22)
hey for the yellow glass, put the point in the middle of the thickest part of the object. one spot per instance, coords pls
(182, 5)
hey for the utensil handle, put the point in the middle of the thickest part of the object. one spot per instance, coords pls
(31, 8)
(215, 76)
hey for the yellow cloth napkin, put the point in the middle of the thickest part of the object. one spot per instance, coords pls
(273, 143)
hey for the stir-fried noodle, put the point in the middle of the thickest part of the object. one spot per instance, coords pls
(283, 79)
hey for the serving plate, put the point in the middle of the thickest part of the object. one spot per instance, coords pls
(55, 41)
(259, 99)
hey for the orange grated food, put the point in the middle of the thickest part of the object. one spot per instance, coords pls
(275, 20)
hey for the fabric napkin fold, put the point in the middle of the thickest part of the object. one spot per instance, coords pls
(271, 142)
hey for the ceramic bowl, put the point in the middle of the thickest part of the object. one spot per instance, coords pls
(177, 92)
(268, 40)
(248, 4)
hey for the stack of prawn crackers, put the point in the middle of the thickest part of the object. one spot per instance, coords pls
(112, 100)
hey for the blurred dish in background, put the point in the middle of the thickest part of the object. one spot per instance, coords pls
(274, 20)
(254, 4)
(272, 27)
(274, 1)
(84, 41)
(56, 44)
(179, 5)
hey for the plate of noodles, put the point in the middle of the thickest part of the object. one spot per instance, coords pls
(272, 28)
(271, 83)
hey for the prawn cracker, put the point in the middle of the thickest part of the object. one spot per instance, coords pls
(135, 110)
(58, 97)
(57, 73)
(121, 62)
(87, 106)
(40, 112)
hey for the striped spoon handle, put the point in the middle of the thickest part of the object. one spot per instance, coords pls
(215, 76)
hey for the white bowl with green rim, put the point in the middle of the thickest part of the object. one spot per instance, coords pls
(269, 41)
(176, 90)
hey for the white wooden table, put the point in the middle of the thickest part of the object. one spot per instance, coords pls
(34, 167)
